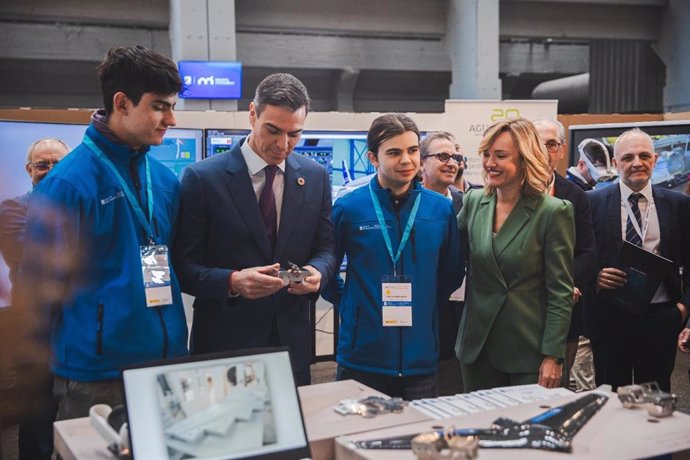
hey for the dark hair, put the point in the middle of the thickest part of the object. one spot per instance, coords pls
(282, 90)
(135, 70)
(387, 126)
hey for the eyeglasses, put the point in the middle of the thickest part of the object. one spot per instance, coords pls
(553, 146)
(444, 157)
(44, 165)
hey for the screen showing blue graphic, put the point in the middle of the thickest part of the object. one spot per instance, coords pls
(211, 79)
(223, 140)
(181, 147)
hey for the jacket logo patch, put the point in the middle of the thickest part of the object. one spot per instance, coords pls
(114, 197)
(364, 228)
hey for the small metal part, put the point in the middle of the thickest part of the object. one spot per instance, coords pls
(649, 396)
(370, 406)
(294, 273)
(438, 446)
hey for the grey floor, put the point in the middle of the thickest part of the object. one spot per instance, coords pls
(325, 372)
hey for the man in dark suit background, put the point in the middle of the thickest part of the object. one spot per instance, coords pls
(441, 160)
(656, 219)
(552, 134)
(244, 215)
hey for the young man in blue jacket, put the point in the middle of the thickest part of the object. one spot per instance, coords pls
(404, 260)
(95, 263)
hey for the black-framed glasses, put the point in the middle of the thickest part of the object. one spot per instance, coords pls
(44, 165)
(552, 146)
(444, 157)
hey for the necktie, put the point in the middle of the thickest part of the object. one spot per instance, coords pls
(267, 204)
(631, 234)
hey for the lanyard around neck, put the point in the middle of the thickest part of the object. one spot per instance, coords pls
(384, 228)
(133, 202)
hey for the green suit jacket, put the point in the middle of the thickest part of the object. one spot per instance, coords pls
(520, 282)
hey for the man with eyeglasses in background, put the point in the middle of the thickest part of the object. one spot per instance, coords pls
(36, 427)
(441, 162)
(552, 135)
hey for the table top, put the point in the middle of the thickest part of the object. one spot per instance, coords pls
(613, 433)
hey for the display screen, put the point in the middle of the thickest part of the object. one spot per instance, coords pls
(180, 148)
(211, 79)
(223, 140)
(671, 143)
(235, 405)
(337, 151)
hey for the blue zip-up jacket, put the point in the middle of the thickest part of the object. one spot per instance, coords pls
(432, 258)
(82, 263)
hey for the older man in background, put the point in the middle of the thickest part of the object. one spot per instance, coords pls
(36, 427)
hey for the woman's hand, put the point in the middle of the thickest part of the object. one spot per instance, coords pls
(550, 372)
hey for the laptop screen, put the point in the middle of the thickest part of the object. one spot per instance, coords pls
(235, 405)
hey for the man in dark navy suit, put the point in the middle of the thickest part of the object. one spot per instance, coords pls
(552, 134)
(627, 345)
(244, 215)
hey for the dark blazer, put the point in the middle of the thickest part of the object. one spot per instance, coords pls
(519, 293)
(673, 210)
(220, 229)
(585, 263)
(457, 200)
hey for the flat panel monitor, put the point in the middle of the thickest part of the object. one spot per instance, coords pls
(211, 79)
(337, 151)
(181, 147)
(671, 143)
(223, 140)
(241, 404)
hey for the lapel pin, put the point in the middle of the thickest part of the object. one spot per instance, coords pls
(300, 181)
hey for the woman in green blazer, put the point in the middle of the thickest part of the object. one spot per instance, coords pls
(520, 282)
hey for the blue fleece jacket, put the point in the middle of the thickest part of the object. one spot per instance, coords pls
(83, 263)
(431, 257)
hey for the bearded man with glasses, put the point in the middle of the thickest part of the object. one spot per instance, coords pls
(36, 426)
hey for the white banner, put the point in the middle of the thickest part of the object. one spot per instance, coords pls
(468, 119)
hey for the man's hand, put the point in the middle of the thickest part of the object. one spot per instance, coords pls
(684, 340)
(311, 283)
(611, 278)
(576, 295)
(550, 372)
(256, 282)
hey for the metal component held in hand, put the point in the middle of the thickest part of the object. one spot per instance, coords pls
(648, 395)
(293, 274)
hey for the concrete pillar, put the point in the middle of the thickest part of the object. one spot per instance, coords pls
(203, 30)
(472, 41)
(673, 49)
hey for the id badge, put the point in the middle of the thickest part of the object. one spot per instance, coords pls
(155, 268)
(396, 296)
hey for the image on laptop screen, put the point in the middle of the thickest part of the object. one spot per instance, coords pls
(216, 407)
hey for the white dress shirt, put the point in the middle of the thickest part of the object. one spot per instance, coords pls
(650, 222)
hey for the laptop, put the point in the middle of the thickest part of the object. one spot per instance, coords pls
(239, 404)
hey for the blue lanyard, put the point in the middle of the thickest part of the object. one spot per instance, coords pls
(384, 228)
(133, 202)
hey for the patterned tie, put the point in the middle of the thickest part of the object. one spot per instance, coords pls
(267, 205)
(631, 234)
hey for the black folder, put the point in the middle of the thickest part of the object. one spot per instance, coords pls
(645, 271)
